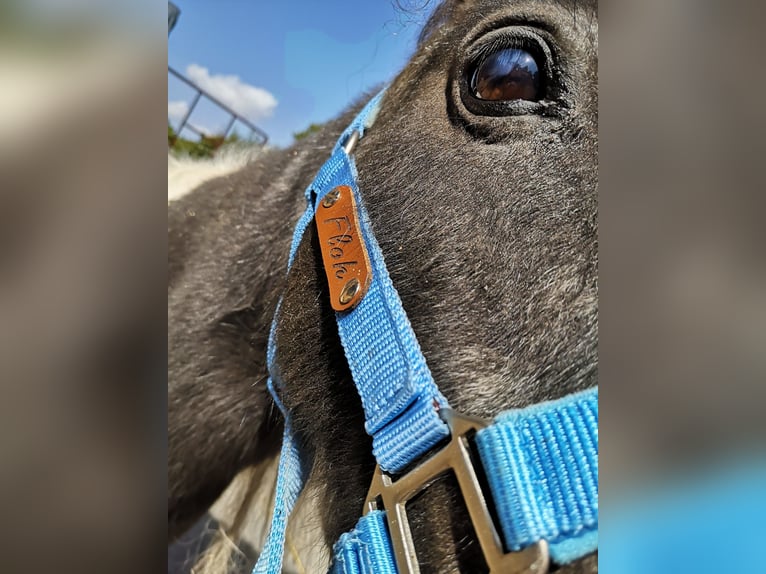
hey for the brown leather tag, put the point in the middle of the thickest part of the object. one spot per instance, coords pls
(344, 253)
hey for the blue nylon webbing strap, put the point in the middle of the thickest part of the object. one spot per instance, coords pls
(542, 466)
(398, 393)
(288, 488)
(399, 396)
(365, 549)
(291, 475)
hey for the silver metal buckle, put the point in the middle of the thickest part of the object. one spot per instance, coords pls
(392, 496)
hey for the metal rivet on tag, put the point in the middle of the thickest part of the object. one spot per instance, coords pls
(330, 199)
(344, 253)
(349, 290)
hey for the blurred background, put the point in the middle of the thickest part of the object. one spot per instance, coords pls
(682, 286)
(85, 102)
(82, 280)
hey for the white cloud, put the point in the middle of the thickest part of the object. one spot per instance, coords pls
(250, 101)
(177, 110)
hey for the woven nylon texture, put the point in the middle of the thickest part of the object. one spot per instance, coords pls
(366, 549)
(289, 486)
(396, 387)
(542, 466)
(394, 383)
(290, 478)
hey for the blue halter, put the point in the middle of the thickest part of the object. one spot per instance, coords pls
(541, 462)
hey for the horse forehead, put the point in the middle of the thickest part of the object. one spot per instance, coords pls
(579, 18)
(565, 5)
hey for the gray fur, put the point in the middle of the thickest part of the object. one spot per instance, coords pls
(489, 230)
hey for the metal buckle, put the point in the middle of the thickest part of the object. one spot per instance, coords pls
(392, 496)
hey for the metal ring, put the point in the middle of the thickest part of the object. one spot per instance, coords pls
(350, 144)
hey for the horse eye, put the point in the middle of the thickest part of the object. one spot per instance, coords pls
(510, 74)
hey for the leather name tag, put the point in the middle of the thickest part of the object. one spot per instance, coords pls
(344, 253)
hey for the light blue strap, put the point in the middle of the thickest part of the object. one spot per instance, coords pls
(363, 120)
(361, 123)
(366, 549)
(289, 485)
(339, 169)
(542, 466)
(290, 473)
(290, 480)
(398, 393)
(399, 396)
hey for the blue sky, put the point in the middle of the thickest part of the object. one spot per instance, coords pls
(286, 64)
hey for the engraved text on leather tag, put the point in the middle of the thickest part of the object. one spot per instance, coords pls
(344, 253)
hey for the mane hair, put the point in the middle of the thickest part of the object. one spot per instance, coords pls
(186, 173)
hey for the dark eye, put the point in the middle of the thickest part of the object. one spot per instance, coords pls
(510, 74)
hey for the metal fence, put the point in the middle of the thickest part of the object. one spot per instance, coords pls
(256, 135)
